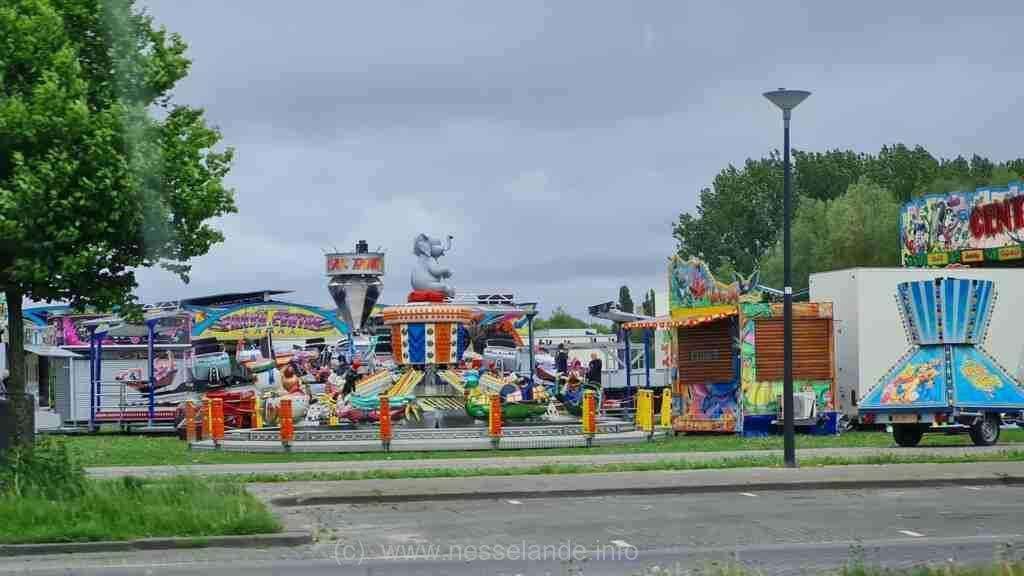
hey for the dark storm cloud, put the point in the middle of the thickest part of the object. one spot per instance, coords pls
(557, 141)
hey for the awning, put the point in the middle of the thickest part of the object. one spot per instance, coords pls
(665, 322)
(50, 351)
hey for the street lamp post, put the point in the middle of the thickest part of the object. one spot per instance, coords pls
(787, 100)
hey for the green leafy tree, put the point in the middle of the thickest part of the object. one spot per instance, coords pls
(625, 299)
(860, 228)
(737, 217)
(903, 170)
(100, 174)
(827, 175)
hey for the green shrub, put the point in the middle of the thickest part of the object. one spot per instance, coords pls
(45, 470)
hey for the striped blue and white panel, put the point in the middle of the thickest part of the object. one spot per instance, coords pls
(920, 306)
(982, 302)
(956, 310)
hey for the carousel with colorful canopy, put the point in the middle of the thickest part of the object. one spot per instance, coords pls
(435, 382)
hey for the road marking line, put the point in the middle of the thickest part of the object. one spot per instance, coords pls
(748, 494)
(972, 487)
(622, 544)
(912, 533)
(513, 501)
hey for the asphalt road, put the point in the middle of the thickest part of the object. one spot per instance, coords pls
(776, 533)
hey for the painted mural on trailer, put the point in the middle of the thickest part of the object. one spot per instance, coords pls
(946, 319)
(981, 381)
(762, 397)
(694, 290)
(963, 227)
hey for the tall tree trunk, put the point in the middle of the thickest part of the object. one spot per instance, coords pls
(23, 405)
(15, 343)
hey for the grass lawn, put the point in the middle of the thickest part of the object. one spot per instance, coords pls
(660, 465)
(123, 450)
(131, 508)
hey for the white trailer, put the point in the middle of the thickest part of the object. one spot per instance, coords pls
(869, 334)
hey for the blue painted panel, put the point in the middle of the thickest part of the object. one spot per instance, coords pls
(981, 382)
(916, 381)
(417, 343)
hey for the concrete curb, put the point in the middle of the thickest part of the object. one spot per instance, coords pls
(315, 493)
(294, 501)
(241, 541)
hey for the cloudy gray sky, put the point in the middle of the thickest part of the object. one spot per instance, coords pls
(557, 141)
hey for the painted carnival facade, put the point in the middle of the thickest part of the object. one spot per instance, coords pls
(980, 228)
(727, 348)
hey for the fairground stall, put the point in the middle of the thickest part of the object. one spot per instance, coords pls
(728, 352)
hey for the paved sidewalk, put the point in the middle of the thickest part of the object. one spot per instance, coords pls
(639, 483)
(532, 461)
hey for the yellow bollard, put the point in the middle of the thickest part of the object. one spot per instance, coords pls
(645, 410)
(589, 415)
(257, 412)
(666, 407)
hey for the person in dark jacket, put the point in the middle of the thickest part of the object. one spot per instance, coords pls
(594, 369)
(562, 360)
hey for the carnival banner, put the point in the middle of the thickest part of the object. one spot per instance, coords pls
(963, 227)
(284, 321)
(71, 331)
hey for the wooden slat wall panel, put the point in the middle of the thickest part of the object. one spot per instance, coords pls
(705, 353)
(812, 349)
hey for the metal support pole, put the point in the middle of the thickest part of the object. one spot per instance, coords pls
(629, 362)
(99, 370)
(529, 329)
(789, 441)
(150, 329)
(92, 377)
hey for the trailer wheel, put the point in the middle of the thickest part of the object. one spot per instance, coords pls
(985, 430)
(907, 435)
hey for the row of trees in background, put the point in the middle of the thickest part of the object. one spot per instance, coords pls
(561, 319)
(847, 208)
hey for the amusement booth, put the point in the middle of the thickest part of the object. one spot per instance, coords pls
(120, 372)
(728, 352)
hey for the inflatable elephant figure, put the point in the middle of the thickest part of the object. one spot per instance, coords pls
(428, 275)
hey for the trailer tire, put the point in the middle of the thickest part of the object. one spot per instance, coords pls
(985, 430)
(907, 435)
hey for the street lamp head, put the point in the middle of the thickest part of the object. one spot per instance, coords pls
(787, 99)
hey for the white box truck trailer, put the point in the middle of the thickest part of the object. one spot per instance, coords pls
(869, 333)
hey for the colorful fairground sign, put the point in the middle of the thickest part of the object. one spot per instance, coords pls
(978, 228)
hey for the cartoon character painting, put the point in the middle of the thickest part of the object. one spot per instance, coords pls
(981, 378)
(916, 383)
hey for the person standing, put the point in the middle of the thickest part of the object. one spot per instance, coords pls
(594, 369)
(562, 359)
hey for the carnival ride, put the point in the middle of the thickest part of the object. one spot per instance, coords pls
(447, 367)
